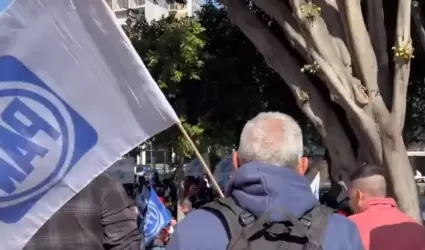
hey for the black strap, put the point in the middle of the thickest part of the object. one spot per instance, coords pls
(232, 216)
(312, 226)
(319, 218)
(293, 226)
(241, 226)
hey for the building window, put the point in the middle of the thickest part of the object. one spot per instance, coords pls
(122, 4)
(177, 6)
(138, 3)
(162, 3)
(156, 156)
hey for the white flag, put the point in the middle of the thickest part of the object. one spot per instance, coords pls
(74, 97)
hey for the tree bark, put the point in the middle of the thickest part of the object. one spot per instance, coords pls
(180, 184)
(402, 176)
(378, 37)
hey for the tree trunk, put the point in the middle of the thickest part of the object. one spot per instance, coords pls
(180, 184)
(333, 172)
(401, 175)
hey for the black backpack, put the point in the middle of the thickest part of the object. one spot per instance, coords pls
(246, 232)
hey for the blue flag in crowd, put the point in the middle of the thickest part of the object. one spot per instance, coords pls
(69, 77)
(157, 217)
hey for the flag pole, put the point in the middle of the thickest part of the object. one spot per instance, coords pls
(201, 159)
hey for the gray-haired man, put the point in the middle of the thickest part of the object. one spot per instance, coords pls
(267, 191)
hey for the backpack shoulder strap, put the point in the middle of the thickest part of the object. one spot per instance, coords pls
(233, 217)
(317, 221)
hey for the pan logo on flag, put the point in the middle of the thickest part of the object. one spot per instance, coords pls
(41, 139)
(153, 220)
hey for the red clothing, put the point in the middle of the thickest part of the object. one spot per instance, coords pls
(384, 227)
(162, 200)
(341, 212)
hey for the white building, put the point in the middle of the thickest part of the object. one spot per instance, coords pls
(153, 9)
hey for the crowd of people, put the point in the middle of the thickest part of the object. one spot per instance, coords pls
(197, 193)
(268, 204)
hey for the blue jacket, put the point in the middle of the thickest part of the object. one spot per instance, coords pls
(260, 187)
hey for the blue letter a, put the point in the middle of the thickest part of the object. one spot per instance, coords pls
(22, 152)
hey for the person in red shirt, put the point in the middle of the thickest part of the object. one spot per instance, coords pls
(381, 224)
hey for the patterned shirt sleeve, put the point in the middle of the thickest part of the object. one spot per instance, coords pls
(119, 221)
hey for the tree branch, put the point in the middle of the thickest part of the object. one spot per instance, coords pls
(284, 18)
(307, 96)
(363, 55)
(378, 37)
(416, 16)
(365, 63)
(402, 65)
(336, 30)
(367, 129)
(318, 37)
(370, 101)
(286, 21)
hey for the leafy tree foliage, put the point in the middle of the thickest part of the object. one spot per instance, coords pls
(212, 75)
(238, 77)
(172, 51)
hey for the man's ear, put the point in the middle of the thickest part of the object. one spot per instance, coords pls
(235, 160)
(359, 195)
(303, 166)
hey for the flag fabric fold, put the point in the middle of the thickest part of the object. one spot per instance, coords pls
(74, 97)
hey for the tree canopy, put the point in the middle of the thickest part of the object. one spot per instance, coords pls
(172, 51)
(212, 75)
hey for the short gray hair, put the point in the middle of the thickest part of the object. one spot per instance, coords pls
(273, 138)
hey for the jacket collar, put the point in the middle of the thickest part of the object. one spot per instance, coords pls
(379, 203)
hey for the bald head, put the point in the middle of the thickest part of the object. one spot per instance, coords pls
(370, 180)
(373, 186)
(367, 184)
